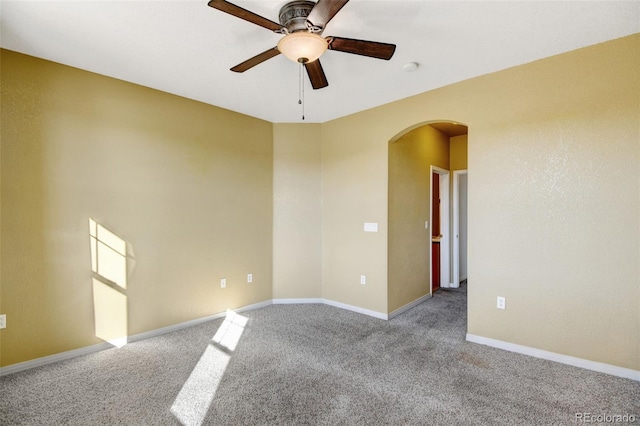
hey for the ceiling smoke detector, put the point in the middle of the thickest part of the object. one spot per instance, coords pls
(410, 66)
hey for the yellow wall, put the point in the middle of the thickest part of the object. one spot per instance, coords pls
(297, 217)
(354, 192)
(554, 196)
(187, 186)
(458, 149)
(458, 153)
(410, 161)
(554, 193)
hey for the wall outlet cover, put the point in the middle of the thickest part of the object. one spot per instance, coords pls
(370, 227)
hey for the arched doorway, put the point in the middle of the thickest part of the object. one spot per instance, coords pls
(414, 155)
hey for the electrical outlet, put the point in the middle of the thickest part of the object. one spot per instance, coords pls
(3, 321)
(363, 279)
(501, 303)
(223, 283)
(249, 278)
(371, 227)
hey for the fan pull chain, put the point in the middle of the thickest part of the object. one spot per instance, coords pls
(301, 88)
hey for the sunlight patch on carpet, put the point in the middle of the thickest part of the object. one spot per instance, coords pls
(192, 403)
(230, 331)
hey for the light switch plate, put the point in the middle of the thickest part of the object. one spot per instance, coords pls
(3, 321)
(223, 283)
(370, 227)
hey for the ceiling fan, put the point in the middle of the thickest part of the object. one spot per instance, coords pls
(302, 23)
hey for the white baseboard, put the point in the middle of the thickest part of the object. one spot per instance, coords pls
(254, 306)
(357, 309)
(295, 301)
(329, 302)
(600, 367)
(408, 306)
(191, 323)
(38, 362)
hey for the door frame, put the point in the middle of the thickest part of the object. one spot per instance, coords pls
(444, 227)
(456, 227)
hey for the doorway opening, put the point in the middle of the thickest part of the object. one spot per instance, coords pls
(424, 159)
(459, 209)
(439, 213)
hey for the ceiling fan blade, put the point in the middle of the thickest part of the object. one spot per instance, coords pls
(324, 11)
(372, 49)
(241, 13)
(316, 74)
(258, 59)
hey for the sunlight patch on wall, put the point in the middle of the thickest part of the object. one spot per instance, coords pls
(109, 266)
(108, 254)
(110, 314)
(192, 403)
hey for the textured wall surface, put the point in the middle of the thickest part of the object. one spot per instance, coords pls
(297, 212)
(354, 192)
(186, 187)
(458, 152)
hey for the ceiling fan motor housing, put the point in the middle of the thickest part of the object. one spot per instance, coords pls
(293, 15)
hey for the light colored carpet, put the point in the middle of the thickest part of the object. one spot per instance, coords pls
(314, 364)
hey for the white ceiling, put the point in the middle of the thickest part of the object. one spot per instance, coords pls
(186, 48)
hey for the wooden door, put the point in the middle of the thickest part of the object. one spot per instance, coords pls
(435, 234)
(435, 199)
(435, 266)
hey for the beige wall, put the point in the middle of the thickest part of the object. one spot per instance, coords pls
(553, 200)
(297, 212)
(188, 187)
(458, 153)
(410, 161)
(354, 192)
(554, 196)
(458, 149)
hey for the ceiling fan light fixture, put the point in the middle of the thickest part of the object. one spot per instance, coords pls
(302, 46)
